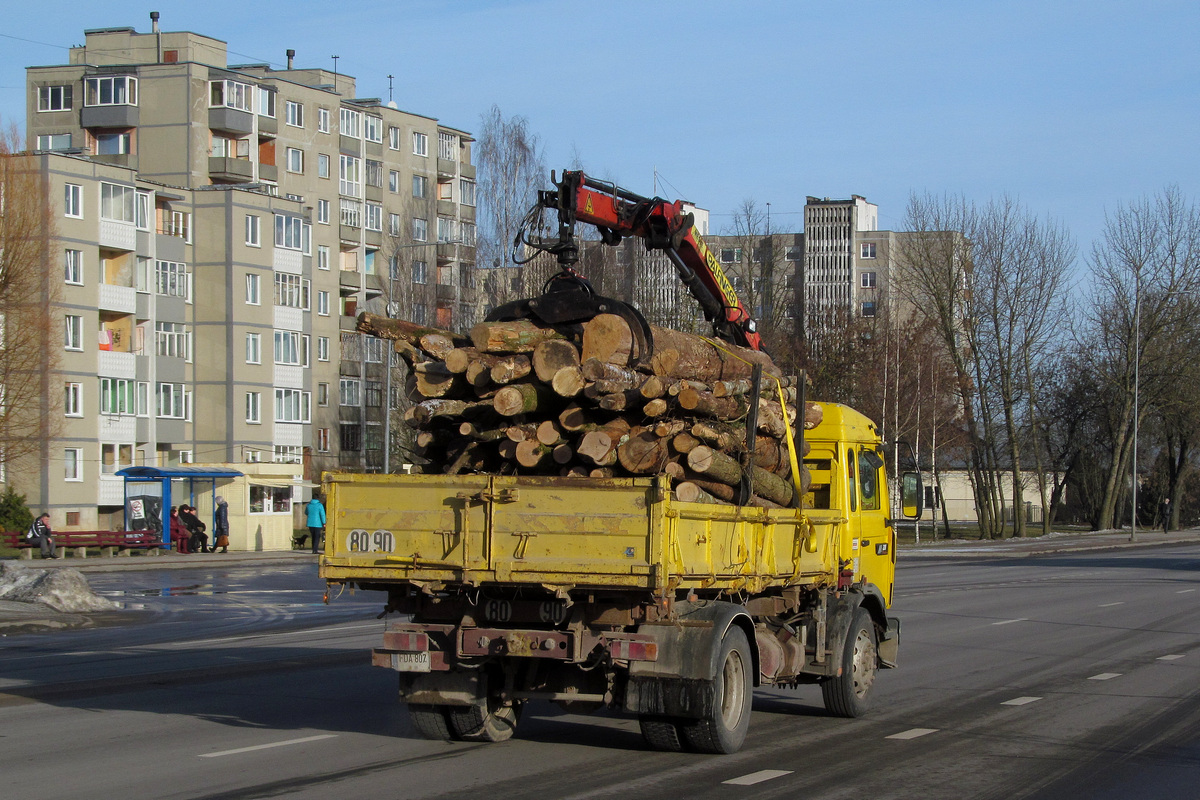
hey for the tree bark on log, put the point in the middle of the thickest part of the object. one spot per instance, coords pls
(511, 368)
(410, 332)
(514, 336)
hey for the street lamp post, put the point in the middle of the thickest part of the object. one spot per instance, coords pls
(1137, 362)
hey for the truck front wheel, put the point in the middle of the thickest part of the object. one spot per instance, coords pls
(724, 729)
(848, 694)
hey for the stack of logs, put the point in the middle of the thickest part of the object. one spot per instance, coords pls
(580, 400)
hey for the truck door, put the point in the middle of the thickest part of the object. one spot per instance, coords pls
(876, 540)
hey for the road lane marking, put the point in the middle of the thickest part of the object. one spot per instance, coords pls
(1105, 676)
(269, 746)
(335, 629)
(1185, 591)
(758, 777)
(912, 733)
(1010, 621)
(1020, 701)
(1106, 605)
(1171, 657)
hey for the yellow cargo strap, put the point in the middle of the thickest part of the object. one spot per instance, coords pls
(787, 425)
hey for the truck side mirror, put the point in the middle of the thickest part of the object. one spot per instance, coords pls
(912, 495)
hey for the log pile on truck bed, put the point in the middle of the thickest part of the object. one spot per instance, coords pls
(520, 397)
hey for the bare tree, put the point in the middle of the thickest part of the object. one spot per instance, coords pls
(1146, 258)
(30, 331)
(511, 168)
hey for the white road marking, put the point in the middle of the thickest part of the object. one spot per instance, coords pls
(1185, 591)
(758, 777)
(1010, 621)
(269, 746)
(197, 642)
(1105, 676)
(912, 733)
(1171, 657)
(1020, 701)
(1106, 605)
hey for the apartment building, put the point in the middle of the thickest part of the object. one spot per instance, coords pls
(221, 226)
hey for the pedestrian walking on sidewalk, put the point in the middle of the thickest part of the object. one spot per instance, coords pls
(39, 534)
(316, 522)
(1164, 512)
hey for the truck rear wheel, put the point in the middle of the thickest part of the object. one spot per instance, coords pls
(848, 694)
(431, 721)
(724, 729)
(661, 733)
(489, 721)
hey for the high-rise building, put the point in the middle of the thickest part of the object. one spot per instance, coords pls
(219, 227)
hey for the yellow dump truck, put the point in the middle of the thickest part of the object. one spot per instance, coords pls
(609, 592)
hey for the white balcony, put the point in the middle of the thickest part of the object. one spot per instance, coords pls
(116, 428)
(288, 319)
(112, 364)
(122, 299)
(117, 235)
(288, 434)
(290, 261)
(110, 491)
(289, 377)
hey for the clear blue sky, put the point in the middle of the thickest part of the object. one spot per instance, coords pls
(1072, 107)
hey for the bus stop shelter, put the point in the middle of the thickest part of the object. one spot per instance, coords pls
(151, 491)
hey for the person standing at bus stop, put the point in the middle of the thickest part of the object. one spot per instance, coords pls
(316, 522)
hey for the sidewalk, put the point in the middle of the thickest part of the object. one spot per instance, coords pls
(1061, 542)
(172, 560)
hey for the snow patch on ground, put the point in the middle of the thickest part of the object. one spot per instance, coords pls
(63, 589)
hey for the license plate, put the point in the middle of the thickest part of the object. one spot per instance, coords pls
(411, 662)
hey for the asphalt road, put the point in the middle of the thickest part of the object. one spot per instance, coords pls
(1071, 675)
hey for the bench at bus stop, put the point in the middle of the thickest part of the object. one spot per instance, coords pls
(76, 543)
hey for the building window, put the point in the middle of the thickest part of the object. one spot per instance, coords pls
(374, 394)
(73, 201)
(141, 211)
(172, 339)
(291, 291)
(351, 213)
(351, 123)
(466, 233)
(418, 314)
(116, 202)
(322, 394)
(350, 176)
(351, 436)
(253, 237)
(322, 348)
(447, 146)
(295, 114)
(349, 391)
(420, 144)
(54, 98)
(288, 454)
(253, 348)
(393, 224)
(295, 160)
(794, 253)
(254, 407)
(374, 173)
(291, 233)
(374, 217)
(393, 181)
(322, 440)
(114, 143)
(322, 256)
(420, 229)
(117, 396)
(73, 400)
(54, 141)
(373, 128)
(323, 120)
(252, 294)
(74, 332)
(372, 350)
(118, 90)
(73, 267)
(731, 255)
(292, 405)
(420, 185)
(322, 165)
(171, 279)
(172, 401)
(868, 308)
(445, 229)
(287, 348)
(446, 191)
(466, 188)
(73, 463)
(867, 249)
(230, 94)
(374, 437)
(322, 213)
(266, 102)
(114, 457)
(418, 272)
(323, 303)
(868, 280)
